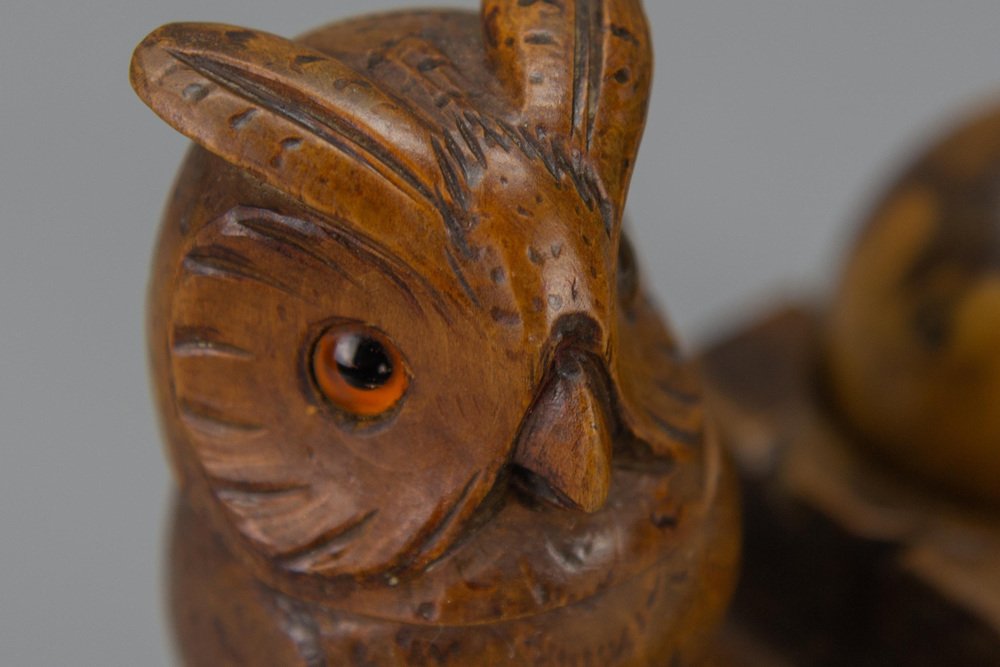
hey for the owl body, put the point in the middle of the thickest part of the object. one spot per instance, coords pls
(420, 408)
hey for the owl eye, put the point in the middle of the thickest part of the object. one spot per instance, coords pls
(359, 370)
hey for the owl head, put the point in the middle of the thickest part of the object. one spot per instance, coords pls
(393, 314)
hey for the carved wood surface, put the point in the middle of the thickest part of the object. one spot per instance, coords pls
(444, 190)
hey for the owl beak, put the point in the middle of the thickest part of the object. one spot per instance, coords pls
(565, 446)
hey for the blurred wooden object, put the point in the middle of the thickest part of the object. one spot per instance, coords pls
(867, 436)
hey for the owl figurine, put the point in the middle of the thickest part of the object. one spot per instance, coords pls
(419, 406)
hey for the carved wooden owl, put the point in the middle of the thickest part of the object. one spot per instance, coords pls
(420, 408)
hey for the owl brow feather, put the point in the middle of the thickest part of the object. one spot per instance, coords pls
(286, 102)
(219, 261)
(278, 231)
(295, 232)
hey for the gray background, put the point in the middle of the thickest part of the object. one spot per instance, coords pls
(772, 123)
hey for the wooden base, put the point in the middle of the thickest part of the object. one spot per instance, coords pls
(846, 561)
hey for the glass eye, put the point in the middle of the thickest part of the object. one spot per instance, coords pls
(359, 370)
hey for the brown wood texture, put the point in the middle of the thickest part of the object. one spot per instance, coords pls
(536, 483)
(868, 436)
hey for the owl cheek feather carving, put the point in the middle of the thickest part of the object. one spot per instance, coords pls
(406, 370)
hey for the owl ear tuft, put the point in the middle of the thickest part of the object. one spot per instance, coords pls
(581, 69)
(292, 116)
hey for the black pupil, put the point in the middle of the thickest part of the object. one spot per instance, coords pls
(362, 361)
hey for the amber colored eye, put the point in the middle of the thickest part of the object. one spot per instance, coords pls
(359, 370)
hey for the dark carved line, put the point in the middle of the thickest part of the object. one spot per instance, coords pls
(240, 37)
(505, 317)
(278, 230)
(307, 59)
(607, 208)
(490, 26)
(681, 435)
(678, 395)
(195, 92)
(470, 139)
(456, 153)
(488, 130)
(241, 489)
(217, 261)
(595, 187)
(329, 543)
(239, 121)
(451, 180)
(539, 150)
(212, 422)
(457, 270)
(539, 38)
(430, 63)
(423, 544)
(623, 33)
(375, 58)
(565, 166)
(515, 137)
